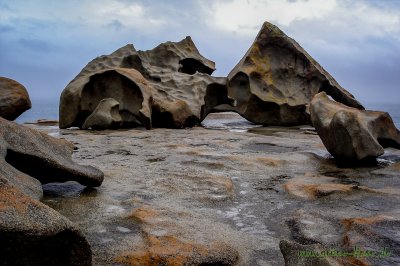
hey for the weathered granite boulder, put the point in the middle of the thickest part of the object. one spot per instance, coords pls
(30, 232)
(168, 86)
(43, 157)
(14, 99)
(350, 134)
(106, 115)
(276, 79)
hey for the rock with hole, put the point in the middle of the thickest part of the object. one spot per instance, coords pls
(274, 82)
(168, 86)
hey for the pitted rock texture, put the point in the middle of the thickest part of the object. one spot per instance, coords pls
(106, 115)
(14, 99)
(350, 134)
(30, 232)
(276, 79)
(168, 86)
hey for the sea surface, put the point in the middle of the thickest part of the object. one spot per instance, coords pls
(48, 109)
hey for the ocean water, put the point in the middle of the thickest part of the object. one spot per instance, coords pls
(48, 109)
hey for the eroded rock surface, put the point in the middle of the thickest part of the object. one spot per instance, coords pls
(350, 134)
(14, 99)
(168, 86)
(31, 233)
(276, 79)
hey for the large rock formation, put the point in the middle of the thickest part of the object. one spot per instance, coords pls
(275, 81)
(14, 99)
(168, 86)
(30, 232)
(351, 134)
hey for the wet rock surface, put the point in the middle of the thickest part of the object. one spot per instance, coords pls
(352, 135)
(169, 86)
(14, 99)
(227, 195)
(276, 79)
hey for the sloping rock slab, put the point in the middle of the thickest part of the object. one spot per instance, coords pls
(168, 86)
(276, 79)
(14, 99)
(350, 134)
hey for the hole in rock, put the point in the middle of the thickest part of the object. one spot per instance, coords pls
(190, 66)
(227, 120)
(111, 84)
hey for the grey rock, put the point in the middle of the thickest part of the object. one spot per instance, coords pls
(106, 115)
(350, 134)
(291, 253)
(168, 86)
(30, 232)
(43, 157)
(276, 79)
(14, 99)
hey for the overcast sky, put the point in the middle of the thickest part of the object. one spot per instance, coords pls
(45, 43)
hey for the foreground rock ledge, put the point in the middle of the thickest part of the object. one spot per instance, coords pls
(352, 135)
(14, 99)
(276, 79)
(30, 232)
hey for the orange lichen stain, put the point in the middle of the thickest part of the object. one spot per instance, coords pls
(144, 215)
(356, 262)
(348, 223)
(12, 199)
(164, 250)
(270, 161)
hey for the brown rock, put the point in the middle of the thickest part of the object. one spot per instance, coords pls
(168, 86)
(350, 134)
(173, 247)
(33, 234)
(275, 81)
(106, 115)
(14, 99)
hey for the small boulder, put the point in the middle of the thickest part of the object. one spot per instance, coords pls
(350, 134)
(14, 99)
(276, 79)
(105, 116)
